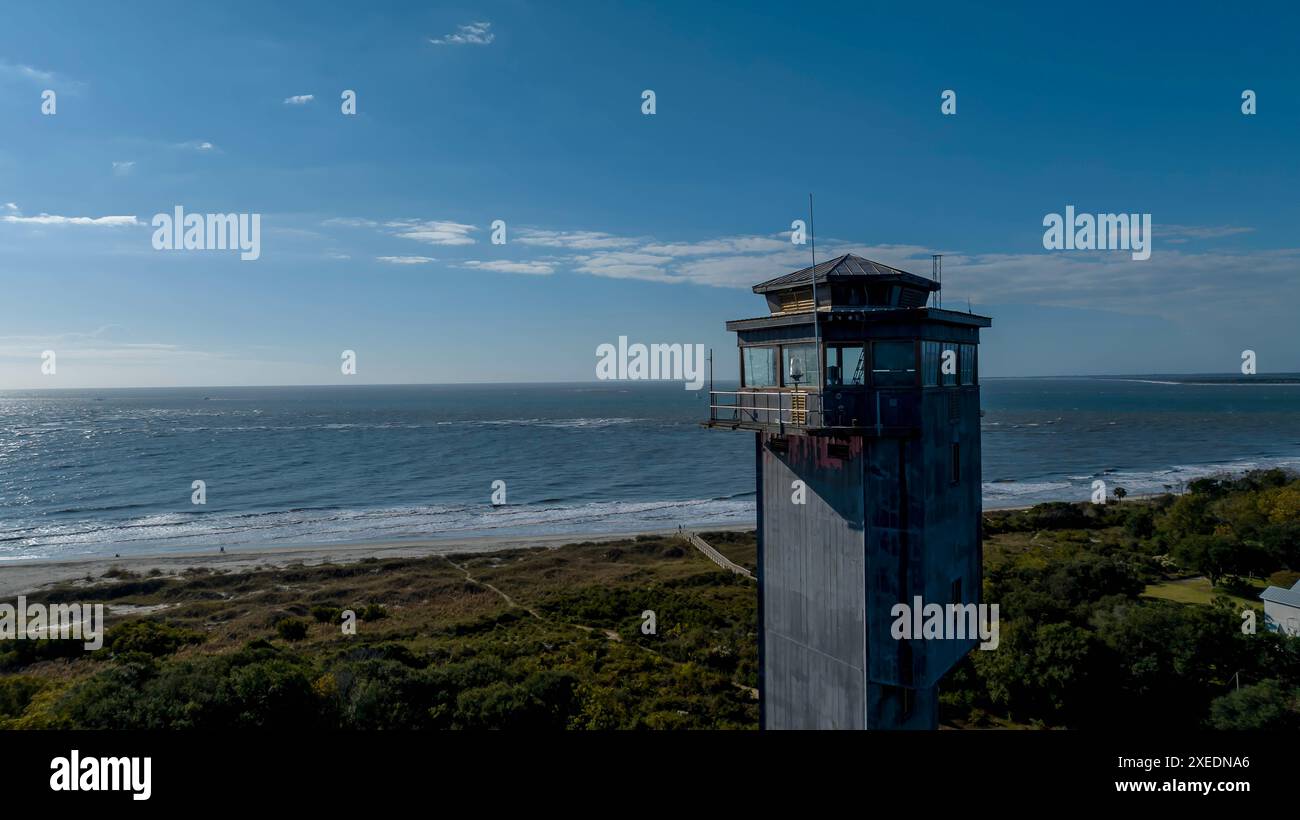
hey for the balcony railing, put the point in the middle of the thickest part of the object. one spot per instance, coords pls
(885, 411)
(768, 408)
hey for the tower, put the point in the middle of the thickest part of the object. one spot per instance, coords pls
(866, 418)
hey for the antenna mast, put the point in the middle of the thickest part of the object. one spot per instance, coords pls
(936, 273)
(817, 336)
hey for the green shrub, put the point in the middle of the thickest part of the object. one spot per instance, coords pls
(291, 629)
(1268, 705)
(325, 614)
(150, 637)
(16, 691)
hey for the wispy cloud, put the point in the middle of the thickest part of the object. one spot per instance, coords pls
(198, 145)
(15, 217)
(1178, 234)
(405, 260)
(98, 346)
(469, 34)
(575, 240)
(110, 359)
(123, 168)
(729, 261)
(26, 72)
(432, 232)
(300, 99)
(627, 265)
(505, 266)
(1173, 283)
(726, 245)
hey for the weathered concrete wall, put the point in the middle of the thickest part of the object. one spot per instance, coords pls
(884, 521)
(950, 515)
(813, 635)
(892, 538)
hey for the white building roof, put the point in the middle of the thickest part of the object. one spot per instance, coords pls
(1279, 595)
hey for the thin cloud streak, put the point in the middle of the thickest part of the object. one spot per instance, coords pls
(1172, 283)
(405, 260)
(469, 34)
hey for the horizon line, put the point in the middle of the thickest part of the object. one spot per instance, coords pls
(1260, 377)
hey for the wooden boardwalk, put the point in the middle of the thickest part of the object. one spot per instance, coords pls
(717, 557)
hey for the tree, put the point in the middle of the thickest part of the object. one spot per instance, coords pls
(1041, 673)
(1120, 492)
(1212, 555)
(1170, 659)
(1186, 516)
(1265, 705)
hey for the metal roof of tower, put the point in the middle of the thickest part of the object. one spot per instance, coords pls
(846, 267)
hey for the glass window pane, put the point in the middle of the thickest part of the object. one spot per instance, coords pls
(968, 364)
(847, 366)
(893, 364)
(854, 367)
(803, 358)
(948, 357)
(930, 363)
(760, 366)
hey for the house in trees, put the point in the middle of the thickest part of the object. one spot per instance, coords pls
(1282, 609)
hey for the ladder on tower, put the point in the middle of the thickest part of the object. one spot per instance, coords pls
(798, 408)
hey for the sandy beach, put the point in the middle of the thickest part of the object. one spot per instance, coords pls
(26, 577)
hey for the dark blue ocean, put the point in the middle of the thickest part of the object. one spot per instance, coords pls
(110, 471)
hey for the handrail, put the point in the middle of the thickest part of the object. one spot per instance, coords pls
(716, 557)
(776, 407)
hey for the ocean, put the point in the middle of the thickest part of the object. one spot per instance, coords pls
(101, 472)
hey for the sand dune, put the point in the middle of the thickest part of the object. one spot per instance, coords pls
(23, 577)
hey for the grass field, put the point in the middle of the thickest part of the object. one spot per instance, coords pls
(1199, 591)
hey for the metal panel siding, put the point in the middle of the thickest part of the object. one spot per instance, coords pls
(950, 516)
(762, 583)
(884, 522)
(813, 629)
(886, 548)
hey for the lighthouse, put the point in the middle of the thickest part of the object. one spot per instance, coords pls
(864, 405)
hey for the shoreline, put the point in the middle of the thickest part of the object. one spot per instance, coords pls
(1127, 498)
(28, 577)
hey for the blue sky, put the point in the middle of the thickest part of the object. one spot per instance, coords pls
(375, 227)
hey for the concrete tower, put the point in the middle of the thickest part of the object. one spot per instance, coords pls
(867, 448)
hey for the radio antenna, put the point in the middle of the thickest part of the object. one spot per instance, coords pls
(817, 336)
(936, 273)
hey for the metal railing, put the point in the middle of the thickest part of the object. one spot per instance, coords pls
(717, 557)
(780, 408)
